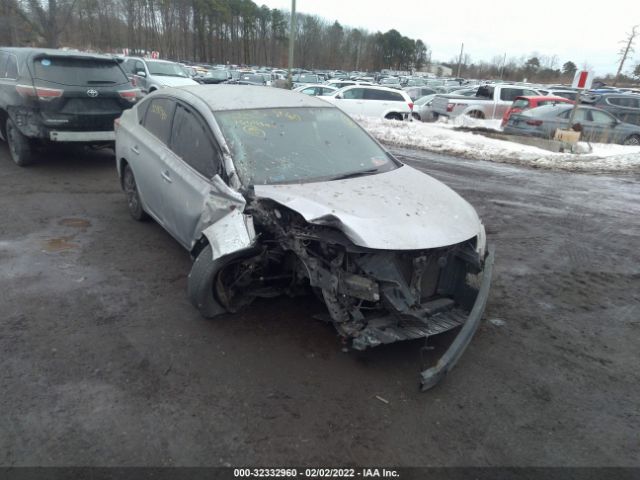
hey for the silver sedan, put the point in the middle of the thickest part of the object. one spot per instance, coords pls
(275, 192)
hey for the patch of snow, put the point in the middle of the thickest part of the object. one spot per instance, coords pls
(442, 138)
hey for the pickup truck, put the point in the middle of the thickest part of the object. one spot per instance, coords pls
(489, 102)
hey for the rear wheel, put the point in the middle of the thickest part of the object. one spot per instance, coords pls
(133, 197)
(632, 140)
(20, 147)
(394, 116)
(416, 116)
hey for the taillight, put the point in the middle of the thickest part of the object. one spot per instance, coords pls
(134, 82)
(41, 93)
(116, 124)
(450, 107)
(411, 106)
(130, 95)
(535, 123)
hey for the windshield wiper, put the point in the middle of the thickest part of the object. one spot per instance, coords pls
(358, 173)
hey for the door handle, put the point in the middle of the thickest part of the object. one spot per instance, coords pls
(135, 150)
(166, 176)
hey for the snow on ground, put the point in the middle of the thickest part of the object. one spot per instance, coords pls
(442, 138)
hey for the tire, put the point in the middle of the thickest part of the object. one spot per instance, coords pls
(416, 116)
(20, 147)
(133, 197)
(632, 140)
(476, 114)
(203, 279)
(394, 116)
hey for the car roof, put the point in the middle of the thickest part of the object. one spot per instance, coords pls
(249, 97)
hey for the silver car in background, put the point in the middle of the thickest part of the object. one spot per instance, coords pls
(275, 192)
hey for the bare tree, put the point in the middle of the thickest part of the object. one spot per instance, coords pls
(626, 50)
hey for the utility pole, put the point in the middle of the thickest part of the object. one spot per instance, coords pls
(292, 36)
(504, 61)
(460, 59)
(625, 52)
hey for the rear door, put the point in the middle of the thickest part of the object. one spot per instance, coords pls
(82, 93)
(194, 160)
(599, 126)
(149, 152)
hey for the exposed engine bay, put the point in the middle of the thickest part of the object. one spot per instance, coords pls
(373, 297)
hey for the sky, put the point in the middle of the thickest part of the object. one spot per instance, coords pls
(583, 32)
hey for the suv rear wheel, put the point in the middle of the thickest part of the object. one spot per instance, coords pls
(20, 147)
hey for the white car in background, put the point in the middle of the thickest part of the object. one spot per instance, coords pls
(371, 101)
(316, 89)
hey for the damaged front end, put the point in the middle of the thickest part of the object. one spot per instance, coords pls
(373, 296)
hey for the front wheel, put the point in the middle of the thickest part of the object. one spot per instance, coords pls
(20, 146)
(224, 284)
(633, 140)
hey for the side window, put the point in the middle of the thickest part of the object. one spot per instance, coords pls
(139, 67)
(510, 94)
(12, 68)
(158, 118)
(582, 115)
(530, 93)
(354, 94)
(141, 108)
(309, 91)
(191, 141)
(371, 94)
(601, 117)
(3, 64)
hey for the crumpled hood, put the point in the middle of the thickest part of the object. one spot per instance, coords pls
(175, 81)
(403, 209)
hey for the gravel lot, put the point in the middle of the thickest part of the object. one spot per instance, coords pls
(105, 362)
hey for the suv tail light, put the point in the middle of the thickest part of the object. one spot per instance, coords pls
(411, 106)
(116, 124)
(131, 95)
(134, 83)
(41, 93)
(450, 107)
(535, 123)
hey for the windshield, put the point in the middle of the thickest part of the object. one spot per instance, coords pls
(252, 78)
(166, 68)
(306, 78)
(78, 71)
(298, 145)
(217, 74)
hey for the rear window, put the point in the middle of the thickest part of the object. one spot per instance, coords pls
(520, 103)
(78, 71)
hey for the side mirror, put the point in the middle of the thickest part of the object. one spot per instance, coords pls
(141, 73)
(339, 96)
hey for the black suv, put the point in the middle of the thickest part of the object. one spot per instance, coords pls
(59, 96)
(625, 107)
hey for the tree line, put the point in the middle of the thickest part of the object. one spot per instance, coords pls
(207, 31)
(240, 32)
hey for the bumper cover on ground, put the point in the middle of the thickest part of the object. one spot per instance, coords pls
(432, 376)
